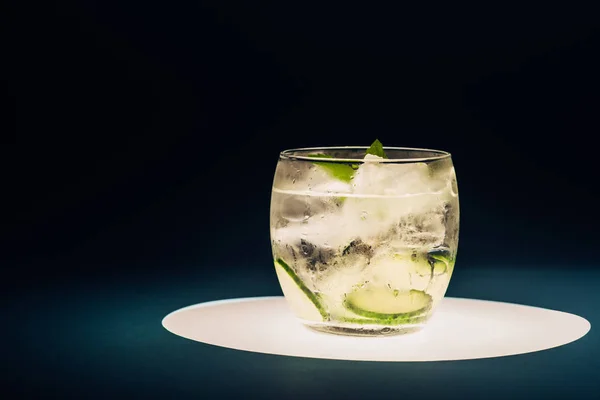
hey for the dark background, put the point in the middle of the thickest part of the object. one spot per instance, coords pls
(147, 133)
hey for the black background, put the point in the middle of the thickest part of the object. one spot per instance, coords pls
(147, 134)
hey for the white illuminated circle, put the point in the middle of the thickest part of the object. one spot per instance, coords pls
(460, 329)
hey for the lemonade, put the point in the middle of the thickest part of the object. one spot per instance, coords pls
(364, 244)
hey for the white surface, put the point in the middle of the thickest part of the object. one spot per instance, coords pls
(460, 329)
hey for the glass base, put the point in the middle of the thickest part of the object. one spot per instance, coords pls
(365, 330)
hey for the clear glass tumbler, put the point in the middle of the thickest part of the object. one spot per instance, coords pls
(364, 245)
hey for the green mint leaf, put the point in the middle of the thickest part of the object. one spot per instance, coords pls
(341, 171)
(376, 149)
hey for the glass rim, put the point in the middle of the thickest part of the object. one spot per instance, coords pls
(437, 155)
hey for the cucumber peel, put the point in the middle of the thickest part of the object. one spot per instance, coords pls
(435, 262)
(303, 301)
(340, 171)
(440, 260)
(384, 304)
(387, 321)
(343, 171)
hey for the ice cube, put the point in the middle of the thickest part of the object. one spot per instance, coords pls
(419, 231)
(376, 178)
(332, 186)
(295, 209)
(325, 230)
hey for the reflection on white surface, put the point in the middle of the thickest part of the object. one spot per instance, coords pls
(460, 329)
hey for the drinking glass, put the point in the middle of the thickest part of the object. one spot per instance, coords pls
(364, 245)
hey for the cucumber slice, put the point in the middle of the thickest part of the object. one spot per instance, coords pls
(382, 303)
(440, 260)
(301, 299)
(435, 262)
(405, 319)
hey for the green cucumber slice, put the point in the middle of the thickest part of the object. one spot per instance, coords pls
(383, 303)
(341, 171)
(435, 262)
(301, 299)
(405, 319)
(440, 260)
